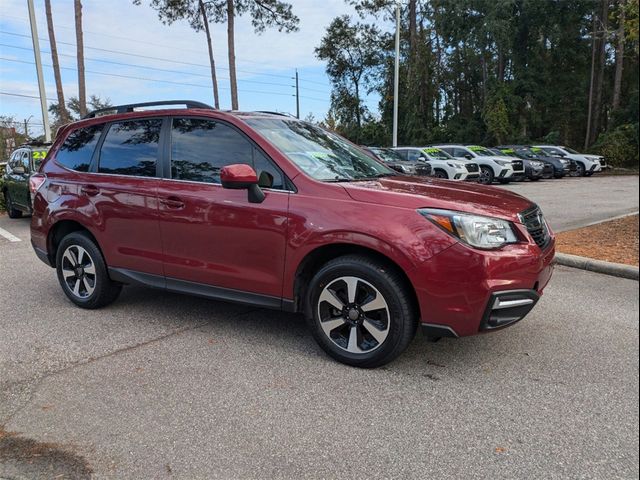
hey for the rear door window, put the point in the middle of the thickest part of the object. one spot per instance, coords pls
(77, 150)
(131, 148)
(201, 147)
(413, 155)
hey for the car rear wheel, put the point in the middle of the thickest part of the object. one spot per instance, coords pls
(486, 175)
(441, 174)
(11, 210)
(360, 311)
(82, 272)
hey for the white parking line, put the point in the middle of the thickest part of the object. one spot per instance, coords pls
(9, 236)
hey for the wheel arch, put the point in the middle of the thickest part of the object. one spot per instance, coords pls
(61, 229)
(314, 260)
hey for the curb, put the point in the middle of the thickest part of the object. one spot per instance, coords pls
(598, 266)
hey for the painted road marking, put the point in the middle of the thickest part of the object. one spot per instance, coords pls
(9, 236)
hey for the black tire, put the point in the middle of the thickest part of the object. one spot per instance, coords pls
(104, 290)
(438, 173)
(580, 170)
(11, 211)
(486, 175)
(399, 315)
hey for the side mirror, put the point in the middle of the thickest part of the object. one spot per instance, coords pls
(468, 156)
(18, 170)
(242, 177)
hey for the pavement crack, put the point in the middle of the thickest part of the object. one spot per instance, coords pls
(91, 360)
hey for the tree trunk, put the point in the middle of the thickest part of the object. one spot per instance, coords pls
(587, 138)
(413, 27)
(617, 82)
(82, 91)
(62, 108)
(232, 54)
(601, 55)
(212, 62)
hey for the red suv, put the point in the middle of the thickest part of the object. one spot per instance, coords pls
(267, 210)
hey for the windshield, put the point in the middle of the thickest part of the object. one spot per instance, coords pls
(387, 155)
(436, 153)
(320, 154)
(481, 151)
(570, 150)
(507, 152)
(553, 151)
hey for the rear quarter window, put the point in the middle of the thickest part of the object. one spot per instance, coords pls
(77, 150)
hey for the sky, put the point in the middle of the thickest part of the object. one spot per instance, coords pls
(167, 62)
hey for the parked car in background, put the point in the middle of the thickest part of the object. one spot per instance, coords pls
(492, 167)
(534, 170)
(272, 211)
(392, 159)
(561, 166)
(22, 163)
(444, 165)
(586, 165)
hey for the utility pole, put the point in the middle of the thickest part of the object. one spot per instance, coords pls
(36, 53)
(297, 95)
(396, 80)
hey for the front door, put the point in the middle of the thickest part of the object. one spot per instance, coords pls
(212, 235)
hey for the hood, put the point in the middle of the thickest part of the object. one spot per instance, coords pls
(416, 192)
(592, 157)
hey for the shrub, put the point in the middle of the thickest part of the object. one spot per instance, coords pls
(619, 146)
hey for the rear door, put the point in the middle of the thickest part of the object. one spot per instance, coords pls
(122, 186)
(212, 235)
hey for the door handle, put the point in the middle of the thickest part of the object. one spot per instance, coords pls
(172, 202)
(90, 190)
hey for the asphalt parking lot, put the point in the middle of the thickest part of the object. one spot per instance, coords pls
(166, 386)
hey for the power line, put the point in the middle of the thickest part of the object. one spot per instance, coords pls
(148, 68)
(148, 57)
(20, 94)
(147, 79)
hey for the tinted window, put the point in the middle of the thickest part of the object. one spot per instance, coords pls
(38, 157)
(200, 148)
(131, 148)
(413, 155)
(77, 149)
(402, 154)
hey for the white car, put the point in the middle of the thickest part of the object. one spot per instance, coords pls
(443, 165)
(492, 167)
(587, 165)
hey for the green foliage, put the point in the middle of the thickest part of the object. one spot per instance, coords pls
(496, 118)
(619, 146)
(73, 109)
(351, 51)
(264, 13)
(489, 71)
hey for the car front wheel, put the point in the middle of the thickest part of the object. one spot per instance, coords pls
(441, 174)
(486, 176)
(580, 171)
(360, 311)
(82, 272)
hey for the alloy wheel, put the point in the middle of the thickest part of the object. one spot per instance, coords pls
(485, 176)
(353, 314)
(78, 271)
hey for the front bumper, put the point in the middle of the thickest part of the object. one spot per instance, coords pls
(458, 288)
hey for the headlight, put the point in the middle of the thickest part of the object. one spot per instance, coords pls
(474, 230)
(503, 163)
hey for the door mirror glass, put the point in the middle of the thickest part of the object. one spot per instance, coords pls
(240, 176)
(468, 156)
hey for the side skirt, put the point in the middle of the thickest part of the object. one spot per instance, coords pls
(131, 277)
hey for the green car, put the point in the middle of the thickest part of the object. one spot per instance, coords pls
(23, 163)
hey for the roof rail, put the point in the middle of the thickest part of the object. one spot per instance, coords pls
(132, 106)
(282, 114)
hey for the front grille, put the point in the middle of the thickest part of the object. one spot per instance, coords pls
(602, 162)
(472, 167)
(533, 220)
(517, 165)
